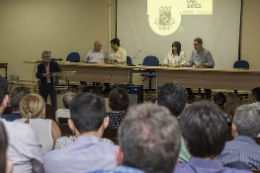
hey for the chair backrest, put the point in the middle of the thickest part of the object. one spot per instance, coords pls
(73, 57)
(241, 64)
(255, 171)
(110, 133)
(64, 127)
(53, 59)
(7, 111)
(50, 113)
(151, 61)
(128, 60)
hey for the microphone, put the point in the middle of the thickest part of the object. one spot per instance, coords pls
(136, 54)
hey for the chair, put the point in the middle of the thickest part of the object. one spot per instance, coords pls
(243, 65)
(128, 60)
(64, 127)
(110, 133)
(50, 113)
(150, 61)
(53, 59)
(237, 165)
(73, 57)
(255, 171)
(7, 111)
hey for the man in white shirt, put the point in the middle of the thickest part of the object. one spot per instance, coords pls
(65, 113)
(24, 149)
(97, 55)
(119, 54)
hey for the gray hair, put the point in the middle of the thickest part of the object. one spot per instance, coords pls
(66, 98)
(247, 120)
(150, 137)
(44, 52)
(95, 43)
(173, 96)
(17, 95)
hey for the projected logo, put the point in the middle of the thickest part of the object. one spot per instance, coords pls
(164, 18)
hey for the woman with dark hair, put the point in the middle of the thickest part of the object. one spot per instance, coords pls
(221, 100)
(175, 57)
(5, 164)
(118, 103)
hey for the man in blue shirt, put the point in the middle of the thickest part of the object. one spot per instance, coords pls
(149, 141)
(245, 128)
(200, 58)
(204, 127)
(15, 98)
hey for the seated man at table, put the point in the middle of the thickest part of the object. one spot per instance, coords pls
(97, 55)
(119, 54)
(245, 128)
(149, 141)
(200, 58)
(204, 127)
(16, 96)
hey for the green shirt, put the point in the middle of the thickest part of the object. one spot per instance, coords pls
(184, 154)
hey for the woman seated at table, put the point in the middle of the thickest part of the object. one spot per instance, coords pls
(118, 103)
(33, 111)
(175, 57)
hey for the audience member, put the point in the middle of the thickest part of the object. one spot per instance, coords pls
(68, 140)
(245, 128)
(24, 149)
(231, 104)
(88, 152)
(220, 99)
(15, 98)
(174, 96)
(6, 166)
(65, 113)
(149, 141)
(256, 97)
(33, 111)
(118, 103)
(204, 129)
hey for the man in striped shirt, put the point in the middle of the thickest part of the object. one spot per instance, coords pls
(245, 128)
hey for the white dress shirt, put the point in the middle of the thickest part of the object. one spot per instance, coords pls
(93, 56)
(120, 55)
(62, 113)
(24, 149)
(169, 59)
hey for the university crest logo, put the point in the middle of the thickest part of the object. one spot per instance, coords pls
(165, 20)
(164, 16)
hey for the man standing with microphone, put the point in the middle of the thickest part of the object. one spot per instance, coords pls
(46, 72)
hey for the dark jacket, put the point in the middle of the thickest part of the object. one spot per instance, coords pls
(41, 68)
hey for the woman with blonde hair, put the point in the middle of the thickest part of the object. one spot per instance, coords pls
(33, 110)
(231, 104)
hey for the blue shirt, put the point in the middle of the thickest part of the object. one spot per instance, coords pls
(115, 119)
(121, 169)
(87, 153)
(197, 165)
(244, 149)
(203, 57)
(11, 117)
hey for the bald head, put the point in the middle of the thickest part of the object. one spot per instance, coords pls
(97, 46)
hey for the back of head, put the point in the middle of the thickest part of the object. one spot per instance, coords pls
(115, 41)
(3, 147)
(256, 93)
(173, 96)
(3, 90)
(32, 105)
(220, 99)
(150, 139)
(87, 112)
(66, 98)
(17, 95)
(231, 104)
(247, 120)
(118, 99)
(204, 128)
